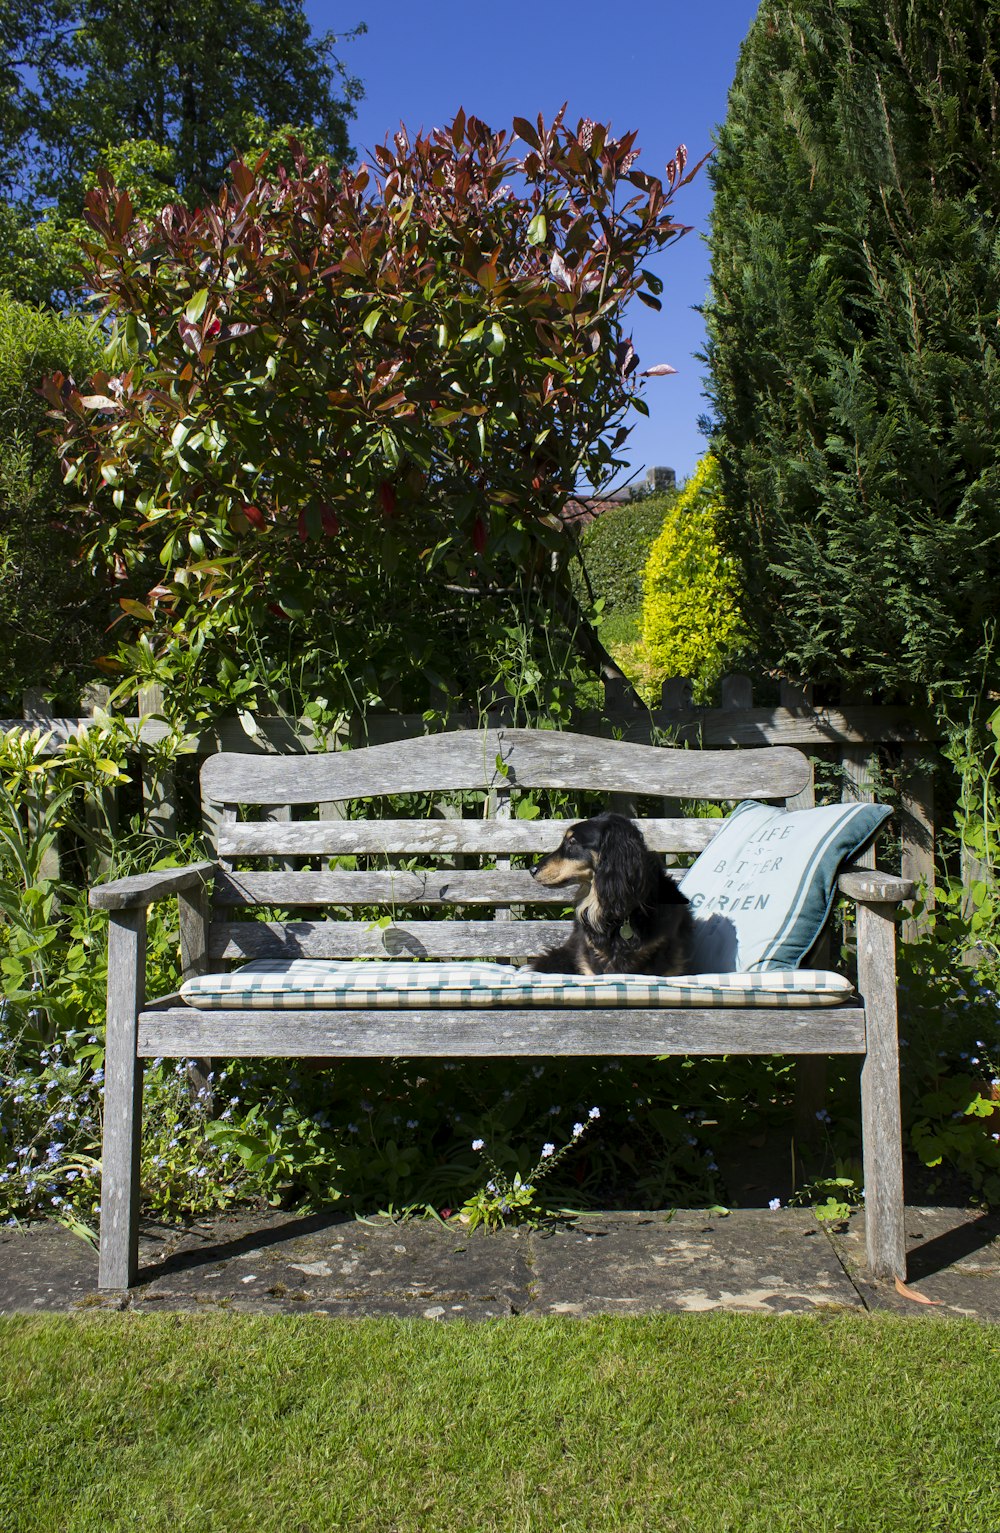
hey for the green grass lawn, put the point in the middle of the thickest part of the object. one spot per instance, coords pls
(228, 1423)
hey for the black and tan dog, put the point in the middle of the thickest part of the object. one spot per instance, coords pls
(631, 918)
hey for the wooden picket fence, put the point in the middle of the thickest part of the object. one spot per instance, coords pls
(853, 738)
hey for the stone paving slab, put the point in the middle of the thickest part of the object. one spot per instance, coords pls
(780, 1262)
(953, 1260)
(342, 1266)
(749, 1259)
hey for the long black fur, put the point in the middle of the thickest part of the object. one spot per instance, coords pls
(631, 918)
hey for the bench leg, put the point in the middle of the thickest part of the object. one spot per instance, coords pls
(119, 1248)
(881, 1122)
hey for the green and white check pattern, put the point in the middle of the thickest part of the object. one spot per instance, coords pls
(277, 984)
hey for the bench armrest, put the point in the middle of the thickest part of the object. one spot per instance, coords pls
(869, 886)
(142, 889)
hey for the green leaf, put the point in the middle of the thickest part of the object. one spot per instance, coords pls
(196, 307)
(136, 609)
(538, 229)
(370, 322)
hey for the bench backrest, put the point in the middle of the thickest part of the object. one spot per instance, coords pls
(425, 864)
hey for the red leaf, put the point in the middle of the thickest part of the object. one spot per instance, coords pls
(387, 495)
(330, 520)
(303, 528)
(479, 535)
(243, 179)
(255, 517)
(523, 129)
(661, 370)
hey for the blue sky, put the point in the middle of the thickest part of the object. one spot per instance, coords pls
(661, 68)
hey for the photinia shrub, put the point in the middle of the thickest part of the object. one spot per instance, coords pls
(324, 384)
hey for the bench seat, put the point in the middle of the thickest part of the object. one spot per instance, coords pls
(173, 1031)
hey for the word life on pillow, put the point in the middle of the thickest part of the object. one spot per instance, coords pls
(761, 891)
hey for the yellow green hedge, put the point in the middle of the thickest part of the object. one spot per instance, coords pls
(690, 618)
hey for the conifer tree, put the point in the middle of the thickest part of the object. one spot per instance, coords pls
(853, 340)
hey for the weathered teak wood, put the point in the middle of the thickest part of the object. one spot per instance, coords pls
(485, 905)
(445, 838)
(143, 888)
(194, 910)
(467, 759)
(381, 1034)
(396, 887)
(119, 1243)
(402, 939)
(881, 1123)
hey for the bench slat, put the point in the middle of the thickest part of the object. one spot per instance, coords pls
(364, 1034)
(330, 838)
(360, 939)
(388, 889)
(467, 759)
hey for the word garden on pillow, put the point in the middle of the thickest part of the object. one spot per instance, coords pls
(761, 891)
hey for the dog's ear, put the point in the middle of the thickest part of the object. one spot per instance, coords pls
(624, 878)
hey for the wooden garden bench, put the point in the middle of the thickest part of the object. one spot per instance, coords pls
(498, 765)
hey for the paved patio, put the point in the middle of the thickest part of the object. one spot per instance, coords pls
(751, 1259)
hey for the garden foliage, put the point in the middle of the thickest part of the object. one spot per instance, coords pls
(162, 94)
(691, 623)
(853, 339)
(338, 398)
(185, 75)
(53, 606)
(614, 549)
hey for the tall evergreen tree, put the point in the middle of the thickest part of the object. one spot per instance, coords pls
(162, 94)
(853, 339)
(187, 75)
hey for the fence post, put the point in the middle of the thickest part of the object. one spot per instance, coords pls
(799, 699)
(860, 769)
(675, 694)
(100, 807)
(737, 691)
(159, 788)
(916, 823)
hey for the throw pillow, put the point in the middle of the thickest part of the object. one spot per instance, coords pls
(761, 891)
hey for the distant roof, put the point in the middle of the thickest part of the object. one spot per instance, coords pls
(581, 510)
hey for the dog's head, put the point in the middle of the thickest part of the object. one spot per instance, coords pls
(609, 854)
